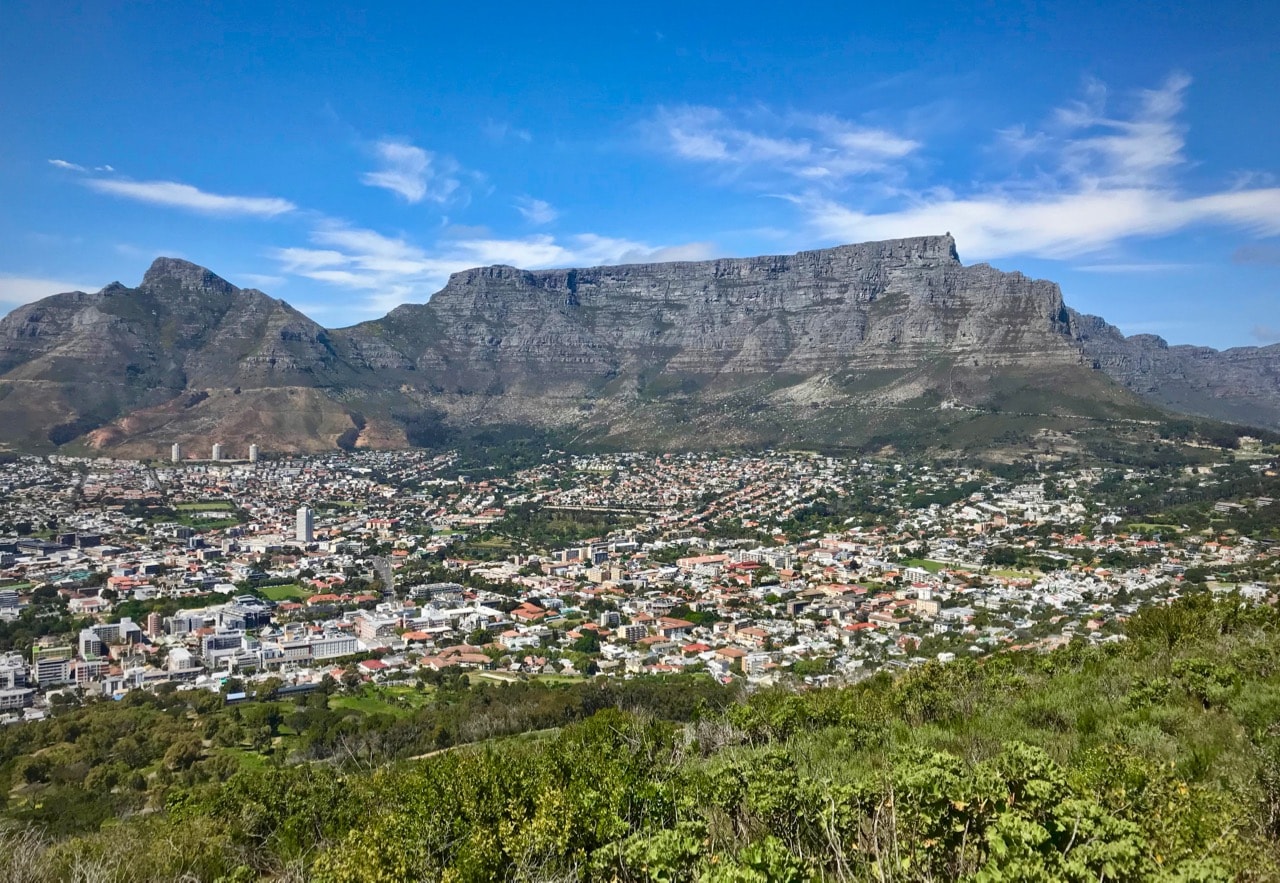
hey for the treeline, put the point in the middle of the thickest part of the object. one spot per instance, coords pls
(1153, 759)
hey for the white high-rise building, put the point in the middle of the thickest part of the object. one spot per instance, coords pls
(217, 452)
(253, 453)
(306, 526)
(175, 453)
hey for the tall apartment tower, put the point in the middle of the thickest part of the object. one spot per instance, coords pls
(216, 453)
(175, 453)
(306, 526)
(253, 453)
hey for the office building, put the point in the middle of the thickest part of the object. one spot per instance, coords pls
(306, 525)
(51, 665)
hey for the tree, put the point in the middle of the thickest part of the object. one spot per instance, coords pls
(183, 754)
(268, 689)
(589, 642)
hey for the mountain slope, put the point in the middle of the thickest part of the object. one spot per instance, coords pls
(879, 343)
(1238, 385)
(842, 344)
(75, 362)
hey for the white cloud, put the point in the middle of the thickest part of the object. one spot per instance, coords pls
(390, 270)
(1100, 177)
(819, 148)
(997, 224)
(18, 290)
(69, 166)
(536, 211)
(412, 173)
(176, 195)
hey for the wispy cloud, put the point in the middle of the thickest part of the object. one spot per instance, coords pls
(1266, 334)
(391, 270)
(69, 166)
(141, 252)
(819, 148)
(994, 224)
(262, 281)
(1101, 170)
(536, 211)
(1135, 268)
(1098, 148)
(18, 290)
(412, 173)
(501, 130)
(173, 194)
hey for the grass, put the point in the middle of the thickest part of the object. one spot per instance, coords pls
(367, 705)
(1014, 574)
(286, 593)
(378, 700)
(927, 564)
(1150, 526)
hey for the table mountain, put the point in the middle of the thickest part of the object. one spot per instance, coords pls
(878, 343)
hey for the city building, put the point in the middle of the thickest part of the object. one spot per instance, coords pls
(13, 672)
(306, 525)
(52, 665)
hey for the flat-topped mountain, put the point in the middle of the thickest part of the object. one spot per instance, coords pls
(854, 345)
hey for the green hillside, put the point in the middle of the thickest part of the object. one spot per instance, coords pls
(1155, 758)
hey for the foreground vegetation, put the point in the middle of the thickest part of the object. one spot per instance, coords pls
(1154, 758)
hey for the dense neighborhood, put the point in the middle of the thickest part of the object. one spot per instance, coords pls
(377, 567)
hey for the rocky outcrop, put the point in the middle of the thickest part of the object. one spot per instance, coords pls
(1238, 385)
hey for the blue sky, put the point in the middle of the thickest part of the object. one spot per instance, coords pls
(348, 160)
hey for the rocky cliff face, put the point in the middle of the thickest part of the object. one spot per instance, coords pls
(883, 304)
(845, 343)
(758, 348)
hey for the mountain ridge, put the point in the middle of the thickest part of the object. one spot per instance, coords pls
(817, 346)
